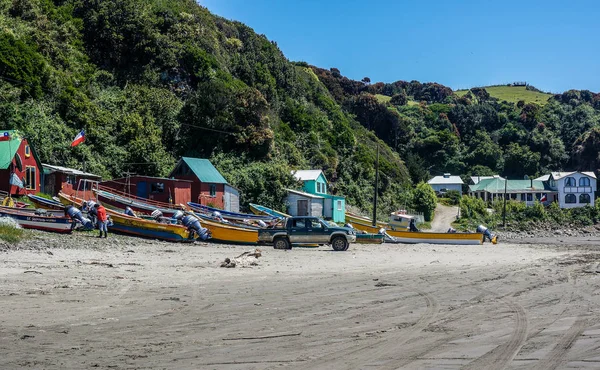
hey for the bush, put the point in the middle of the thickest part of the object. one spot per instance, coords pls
(472, 208)
(425, 200)
(453, 197)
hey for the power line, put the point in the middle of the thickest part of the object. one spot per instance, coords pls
(209, 129)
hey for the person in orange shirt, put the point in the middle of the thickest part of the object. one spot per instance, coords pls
(102, 220)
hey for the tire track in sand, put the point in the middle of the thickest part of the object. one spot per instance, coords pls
(556, 357)
(501, 356)
(354, 357)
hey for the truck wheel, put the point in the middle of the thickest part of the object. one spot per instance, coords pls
(339, 243)
(281, 243)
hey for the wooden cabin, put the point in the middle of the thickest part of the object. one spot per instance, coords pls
(315, 183)
(58, 178)
(209, 187)
(19, 161)
(160, 189)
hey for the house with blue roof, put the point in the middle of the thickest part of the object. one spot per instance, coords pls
(314, 199)
(209, 187)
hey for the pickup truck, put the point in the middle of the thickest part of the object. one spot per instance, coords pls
(306, 230)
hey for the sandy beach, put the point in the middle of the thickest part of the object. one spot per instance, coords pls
(78, 302)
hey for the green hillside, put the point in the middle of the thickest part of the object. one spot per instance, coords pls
(513, 94)
(153, 80)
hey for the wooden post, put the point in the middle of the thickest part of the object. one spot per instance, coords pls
(504, 212)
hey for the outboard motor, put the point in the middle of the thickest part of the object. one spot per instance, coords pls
(194, 226)
(487, 234)
(451, 230)
(75, 214)
(156, 215)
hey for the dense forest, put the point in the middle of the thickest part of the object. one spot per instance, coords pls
(152, 80)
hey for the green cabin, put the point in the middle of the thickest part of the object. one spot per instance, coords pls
(314, 200)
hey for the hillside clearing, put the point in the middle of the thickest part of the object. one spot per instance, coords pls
(513, 94)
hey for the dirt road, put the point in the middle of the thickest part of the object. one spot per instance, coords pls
(132, 304)
(444, 217)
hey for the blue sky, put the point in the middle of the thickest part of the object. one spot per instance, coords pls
(551, 44)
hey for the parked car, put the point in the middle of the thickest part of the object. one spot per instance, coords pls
(307, 230)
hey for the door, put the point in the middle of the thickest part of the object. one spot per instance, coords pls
(302, 207)
(316, 231)
(298, 230)
(141, 189)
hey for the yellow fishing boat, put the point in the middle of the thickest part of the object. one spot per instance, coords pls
(354, 218)
(138, 226)
(365, 227)
(399, 229)
(413, 237)
(230, 234)
(219, 232)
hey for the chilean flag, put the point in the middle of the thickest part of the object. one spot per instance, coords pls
(80, 138)
(543, 198)
(5, 136)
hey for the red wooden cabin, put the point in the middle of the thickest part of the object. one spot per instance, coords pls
(208, 185)
(18, 156)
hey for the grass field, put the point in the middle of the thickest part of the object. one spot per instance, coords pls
(384, 99)
(513, 94)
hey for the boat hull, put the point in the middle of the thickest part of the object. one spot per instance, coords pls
(369, 238)
(261, 210)
(352, 218)
(410, 237)
(148, 229)
(366, 227)
(26, 220)
(230, 234)
(228, 215)
(121, 202)
(45, 203)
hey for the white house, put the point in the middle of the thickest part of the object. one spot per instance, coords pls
(575, 189)
(446, 182)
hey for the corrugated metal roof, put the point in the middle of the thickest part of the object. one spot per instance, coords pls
(443, 180)
(307, 175)
(70, 171)
(477, 179)
(307, 195)
(560, 175)
(497, 185)
(204, 170)
(9, 148)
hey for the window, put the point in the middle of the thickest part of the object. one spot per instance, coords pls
(30, 177)
(570, 198)
(298, 223)
(339, 205)
(530, 197)
(213, 190)
(27, 151)
(584, 198)
(584, 181)
(157, 187)
(570, 181)
(314, 223)
(522, 197)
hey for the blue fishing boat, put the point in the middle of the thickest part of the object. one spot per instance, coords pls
(45, 203)
(229, 215)
(261, 210)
